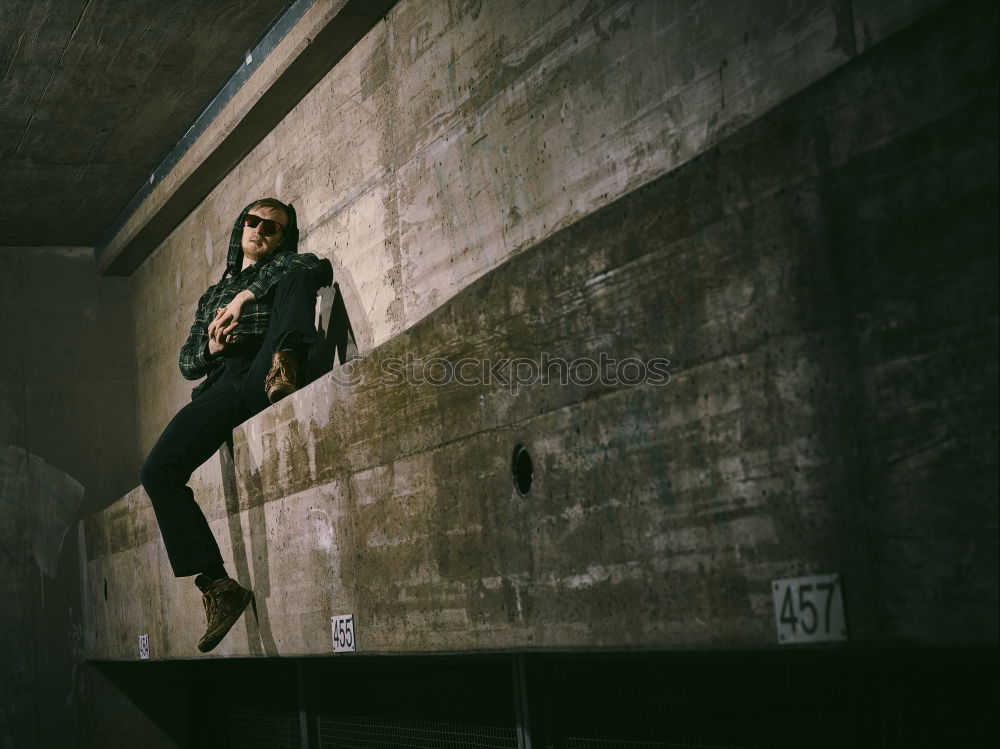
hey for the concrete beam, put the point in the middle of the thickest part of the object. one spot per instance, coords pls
(324, 34)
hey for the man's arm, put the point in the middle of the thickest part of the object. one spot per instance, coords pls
(225, 323)
(284, 262)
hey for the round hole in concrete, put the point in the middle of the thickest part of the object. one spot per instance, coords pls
(522, 469)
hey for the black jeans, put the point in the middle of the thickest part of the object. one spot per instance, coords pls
(202, 426)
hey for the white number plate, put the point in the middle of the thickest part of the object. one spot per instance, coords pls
(344, 640)
(809, 609)
(143, 647)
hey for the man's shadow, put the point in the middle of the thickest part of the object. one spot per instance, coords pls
(335, 338)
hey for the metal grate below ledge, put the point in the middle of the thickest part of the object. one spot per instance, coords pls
(364, 732)
(260, 728)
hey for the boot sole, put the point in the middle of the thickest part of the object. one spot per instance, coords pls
(276, 394)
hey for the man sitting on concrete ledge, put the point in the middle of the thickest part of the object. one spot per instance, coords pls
(251, 336)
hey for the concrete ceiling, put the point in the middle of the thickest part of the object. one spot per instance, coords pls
(93, 96)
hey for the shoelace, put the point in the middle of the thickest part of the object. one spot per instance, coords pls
(280, 371)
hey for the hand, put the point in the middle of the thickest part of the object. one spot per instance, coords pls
(215, 342)
(221, 330)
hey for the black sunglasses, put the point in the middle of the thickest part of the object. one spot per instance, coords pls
(267, 226)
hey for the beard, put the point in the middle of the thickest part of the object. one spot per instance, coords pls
(253, 251)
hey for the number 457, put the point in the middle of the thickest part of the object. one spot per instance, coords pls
(809, 609)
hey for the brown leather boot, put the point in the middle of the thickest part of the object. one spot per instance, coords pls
(225, 600)
(281, 380)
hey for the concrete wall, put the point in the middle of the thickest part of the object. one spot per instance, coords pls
(456, 135)
(67, 449)
(807, 276)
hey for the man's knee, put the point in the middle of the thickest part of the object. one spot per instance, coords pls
(295, 291)
(148, 472)
(307, 281)
(298, 279)
(155, 472)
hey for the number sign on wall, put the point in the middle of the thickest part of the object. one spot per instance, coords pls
(809, 609)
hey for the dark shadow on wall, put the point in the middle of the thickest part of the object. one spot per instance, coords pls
(336, 336)
(256, 620)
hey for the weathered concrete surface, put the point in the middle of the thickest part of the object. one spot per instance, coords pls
(804, 277)
(67, 449)
(454, 136)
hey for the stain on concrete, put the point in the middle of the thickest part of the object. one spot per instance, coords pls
(845, 41)
(375, 70)
(39, 503)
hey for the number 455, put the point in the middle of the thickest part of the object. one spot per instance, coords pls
(343, 634)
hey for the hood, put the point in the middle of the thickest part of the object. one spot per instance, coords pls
(289, 241)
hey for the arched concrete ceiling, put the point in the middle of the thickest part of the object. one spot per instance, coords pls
(95, 93)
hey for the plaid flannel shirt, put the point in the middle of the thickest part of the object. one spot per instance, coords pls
(195, 360)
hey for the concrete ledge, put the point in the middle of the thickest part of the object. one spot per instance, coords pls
(784, 274)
